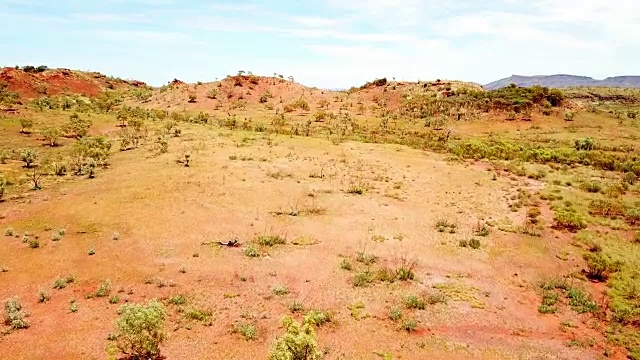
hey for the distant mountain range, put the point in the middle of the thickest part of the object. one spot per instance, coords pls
(563, 81)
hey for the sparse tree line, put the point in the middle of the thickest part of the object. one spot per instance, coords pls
(87, 153)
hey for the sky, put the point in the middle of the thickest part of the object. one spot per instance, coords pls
(324, 43)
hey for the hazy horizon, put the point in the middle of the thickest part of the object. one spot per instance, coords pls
(326, 44)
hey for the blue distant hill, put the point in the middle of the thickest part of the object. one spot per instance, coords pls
(564, 81)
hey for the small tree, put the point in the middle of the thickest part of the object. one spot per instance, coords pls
(298, 342)
(35, 176)
(26, 125)
(51, 135)
(139, 329)
(98, 148)
(129, 139)
(136, 123)
(324, 104)
(569, 115)
(162, 144)
(58, 168)
(213, 93)
(77, 127)
(28, 156)
(122, 116)
(89, 168)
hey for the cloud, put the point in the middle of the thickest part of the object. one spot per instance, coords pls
(234, 7)
(145, 36)
(112, 18)
(392, 12)
(313, 21)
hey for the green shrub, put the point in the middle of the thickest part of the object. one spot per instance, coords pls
(96, 149)
(296, 306)
(385, 274)
(76, 126)
(405, 273)
(73, 306)
(569, 219)
(271, 240)
(8, 232)
(279, 290)
(345, 264)
(356, 189)
(580, 301)
(569, 115)
(601, 266)
(630, 178)
(549, 300)
(213, 93)
(14, 316)
(297, 343)
(252, 251)
(317, 318)
(365, 258)
(395, 314)
(410, 325)
(606, 208)
(26, 124)
(591, 186)
(248, 331)
(436, 298)
(4, 156)
(584, 144)
(363, 279)
(632, 214)
(415, 302)
(51, 135)
(62, 283)
(104, 290)
(198, 314)
(554, 283)
(474, 243)
(33, 243)
(43, 296)
(28, 156)
(178, 300)
(545, 309)
(115, 299)
(481, 230)
(140, 329)
(444, 225)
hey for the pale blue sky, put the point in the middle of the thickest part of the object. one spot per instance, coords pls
(324, 43)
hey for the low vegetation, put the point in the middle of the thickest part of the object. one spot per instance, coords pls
(140, 330)
(298, 342)
(14, 315)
